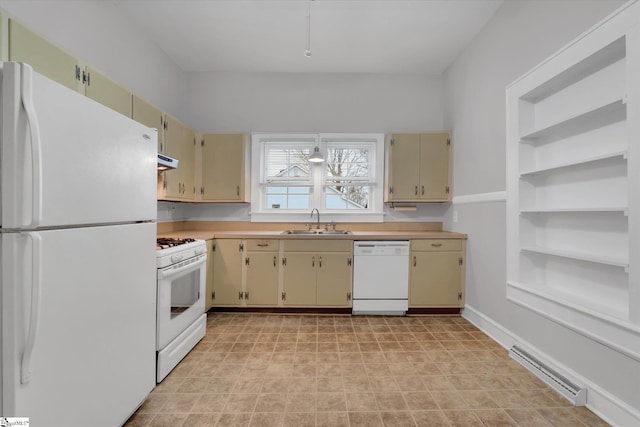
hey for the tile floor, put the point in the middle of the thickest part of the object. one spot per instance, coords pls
(308, 370)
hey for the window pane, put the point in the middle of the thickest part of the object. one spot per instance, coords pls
(283, 197)
(347, 162)
(347, 197)
(287, 163)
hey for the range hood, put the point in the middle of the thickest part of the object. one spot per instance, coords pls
(166, 163)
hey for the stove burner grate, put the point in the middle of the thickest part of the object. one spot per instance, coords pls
(169, 242)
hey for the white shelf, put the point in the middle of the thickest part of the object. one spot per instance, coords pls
(606, 56)
(621, 209)
(581, 256)
(622, 154)
(611, 112)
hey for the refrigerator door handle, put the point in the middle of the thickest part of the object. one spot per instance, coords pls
(26, 92)
(34, 313)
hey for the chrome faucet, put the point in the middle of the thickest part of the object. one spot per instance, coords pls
(318, 212)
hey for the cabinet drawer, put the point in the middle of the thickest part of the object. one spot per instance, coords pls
(436, 245)
(263, 245)
(317, 245)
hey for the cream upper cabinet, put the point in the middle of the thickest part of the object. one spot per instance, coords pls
(317, 273)
(224, 164)
(45, 58)
(179, 143)
(262, 274)
(107, 92)
(56, 64)
(436, 277)
(418, 167)
(149, 115)
(227, 272)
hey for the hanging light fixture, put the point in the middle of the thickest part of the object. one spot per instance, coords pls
(316, 157)
(307, 52)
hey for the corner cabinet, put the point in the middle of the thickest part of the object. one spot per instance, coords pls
(227, 272)
(179, 143)
(418, 167)
(573, 165)
(224, 164)
(437, 273)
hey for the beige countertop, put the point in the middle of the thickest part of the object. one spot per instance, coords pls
(356, 235)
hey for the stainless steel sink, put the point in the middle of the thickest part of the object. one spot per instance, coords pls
(316, 232)
(334, 232)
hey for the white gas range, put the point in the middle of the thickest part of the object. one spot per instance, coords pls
(181, 320)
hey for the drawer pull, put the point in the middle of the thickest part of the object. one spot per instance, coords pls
(436, 245)
(263, 245)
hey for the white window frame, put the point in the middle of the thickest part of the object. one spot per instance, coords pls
(373, 213)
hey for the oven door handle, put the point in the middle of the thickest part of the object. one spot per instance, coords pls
(172, 271)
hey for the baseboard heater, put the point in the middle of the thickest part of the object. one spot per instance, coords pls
(572, 392)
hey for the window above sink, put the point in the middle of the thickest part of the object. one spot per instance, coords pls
(346, 187)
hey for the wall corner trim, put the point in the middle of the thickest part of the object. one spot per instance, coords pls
(496, 196)
(608, 407)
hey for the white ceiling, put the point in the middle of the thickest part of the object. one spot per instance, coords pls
(351, 36)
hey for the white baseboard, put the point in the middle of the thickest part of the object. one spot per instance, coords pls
(599, 401)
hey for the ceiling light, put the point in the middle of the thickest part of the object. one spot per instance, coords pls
(307, 51)
(316, 157)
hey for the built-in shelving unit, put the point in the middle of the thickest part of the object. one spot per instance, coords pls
(573, 129)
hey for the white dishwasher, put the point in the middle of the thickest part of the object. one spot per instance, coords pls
(380, 277)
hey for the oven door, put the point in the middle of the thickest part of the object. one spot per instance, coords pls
(181, 290)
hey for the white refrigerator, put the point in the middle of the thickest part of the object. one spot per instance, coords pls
(78, 286)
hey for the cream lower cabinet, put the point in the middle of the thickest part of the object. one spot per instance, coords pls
(228, 256)
(261, 272)
(317, 273)
(245, 272)
(209, 279)
(436, 277)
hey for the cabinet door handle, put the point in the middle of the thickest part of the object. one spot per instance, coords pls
(313, 261)
(240, 295)
(284, 296)
(246, 261)
(436, 245)
(415, 261)
(349, 261)
(348, 296)
(284, 261)
(422, 193)
(320, 262)
(274, 260)
(416, 190)
(246, 295)
(237, 190)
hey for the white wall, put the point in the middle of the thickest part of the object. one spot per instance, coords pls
(315, 102)
(520, 35)
(94, 32)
